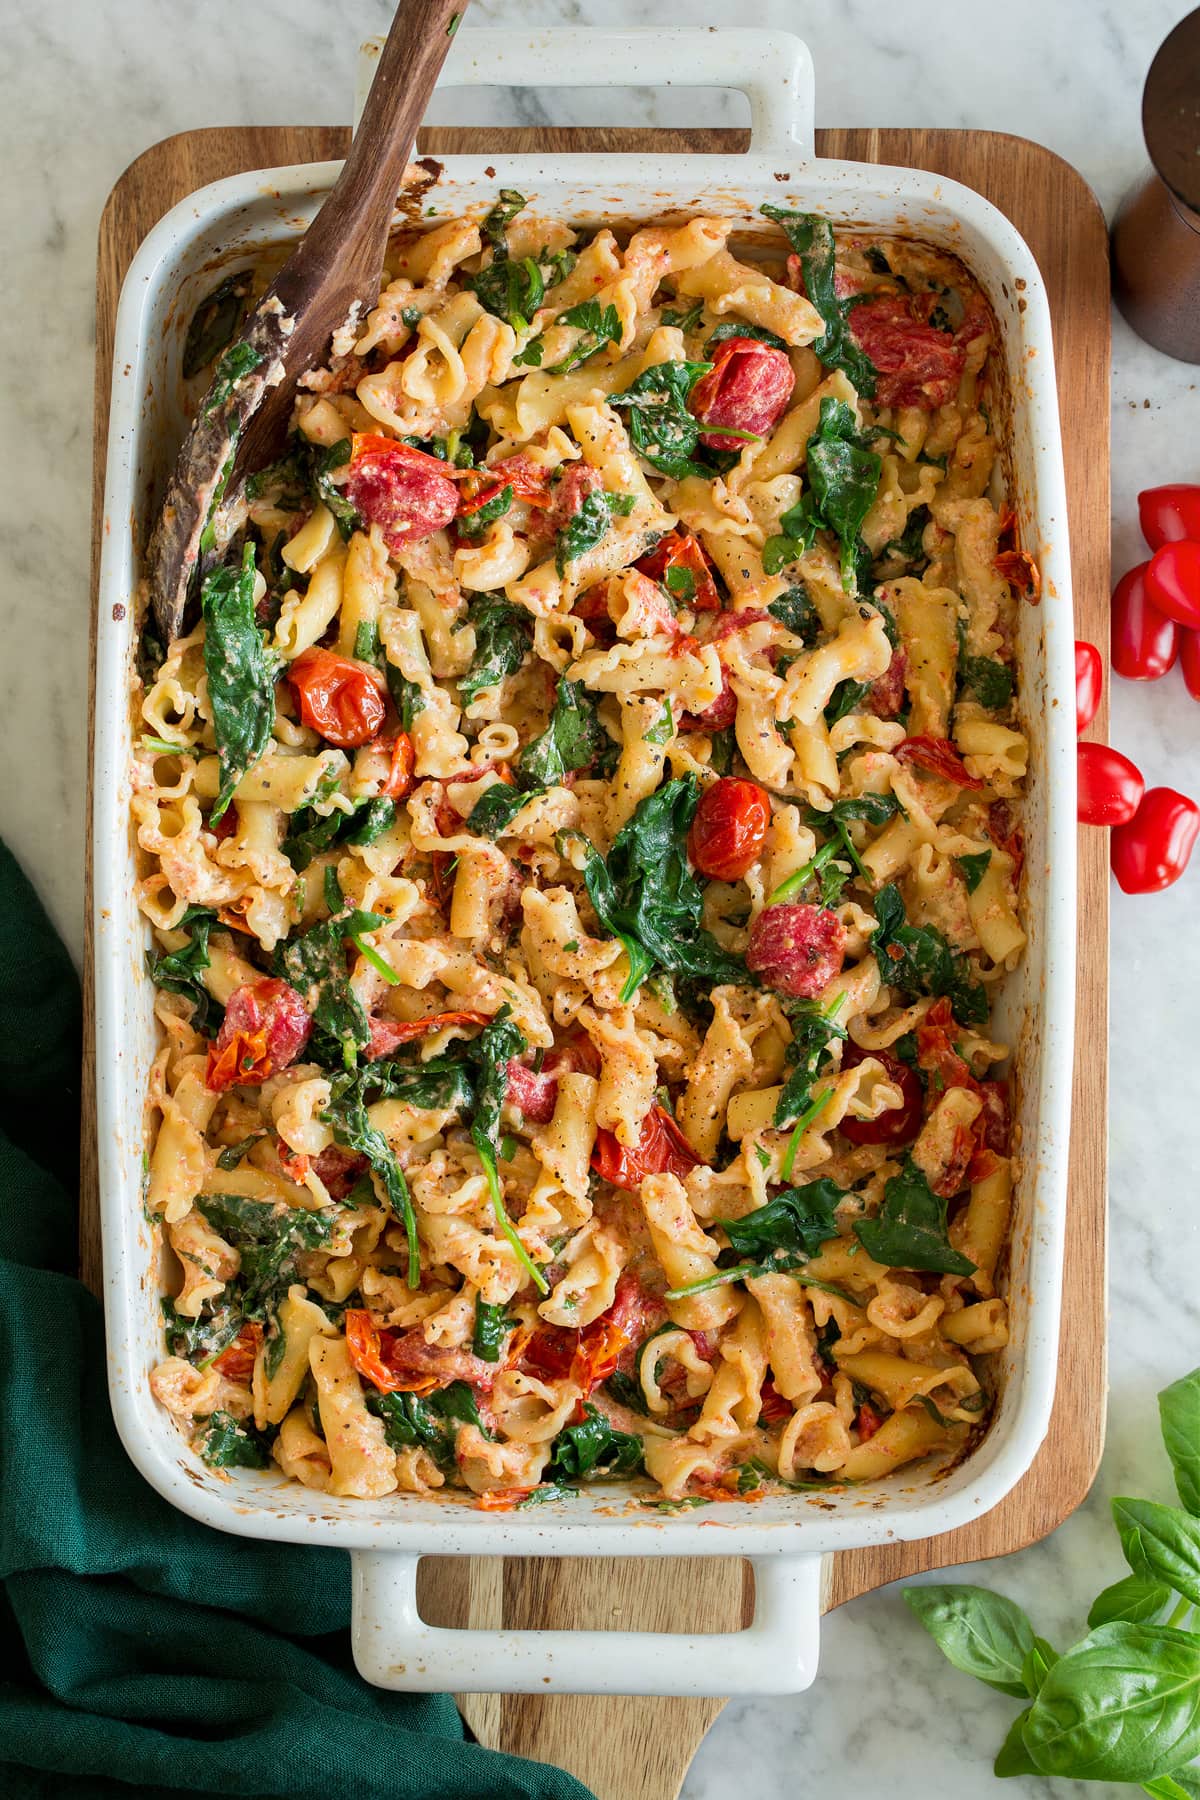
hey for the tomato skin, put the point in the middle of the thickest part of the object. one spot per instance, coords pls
(796, 948)
(662, 1149)
(1151, 852)
(1089, 683)
(1189, 661)
(937, 756)
(1110, 786)
(1145, 642)
(747, 389)
(729, 829)
(340, 699)
(917, 365)
(388, 1034)
(400, 775)
(1173, 582)
(1169, 513)
(266, 1026)
(902, 1123)
(531, 1092)
(237, 1362)
(680, 550)
(407, 493)
(527, 480)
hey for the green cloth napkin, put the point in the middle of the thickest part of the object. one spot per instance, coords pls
(140, 1649)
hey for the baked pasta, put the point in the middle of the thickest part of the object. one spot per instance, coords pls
(582, 838)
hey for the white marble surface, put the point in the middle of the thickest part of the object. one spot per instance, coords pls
(92, 83)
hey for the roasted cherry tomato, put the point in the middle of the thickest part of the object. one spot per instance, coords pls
(900, 1124)
(266, 1026)
(408, 494)
(1173, 582)
(1089, 683)
(1152, 851)
(917, 364)
(868, 1422)
(937, 756)
(237, 1363)
(661, 1149)
(338, 1170)
(400, 775)
(388, 1034)
(796, 948)
(343, 700)
(1169, 513)
(1189, 661)
(528, 481)
(746, 390)
(729, 828)
(372, 1349)
(1016, 565)
(887, 692)
(531, 1092)
(678, 562)
(1110, 787)
(1144, 641)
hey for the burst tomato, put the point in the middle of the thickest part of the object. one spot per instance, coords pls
(1144, 641)
(266, 1026)
(1110, 787)
(917, 364)
(661, 1149)
(678, 562)
(237, 1363)
(408, 494)
(372, 1351)
(388, 1034)
(796, 948)
(937, 756)
(746, 390)
(1169, 513)
(900, 1124)
(400, 774)
(342, 700)
(729, 829)
(1173, 582)
(528, 481)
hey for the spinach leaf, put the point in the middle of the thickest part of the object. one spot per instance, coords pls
(798, 528)
(1179, 1415)
(315, 965)
(974, 868)
(324, 460)
(813, 1031)
(990, 681)
(600, 325)
(269, 1241)
(660, 425)
(918, 959)
(1161, 1544)
(241, 674)
(235, 1153)
(440, 1083)
(491, 1053)
(585, 528)
(908, 545)
(181, 971)
(574, 739)
(1137, 1598)
(795, 609)
(847, 697)
(686, 320)
(909, 1230)
(1123, 1705)
(811, 237)
(309, 834)
(214, 322)
(741, 328)
(843, 476)
(873, 809)
(495, 810)
(799, 1220)
(202, 1339)
(406, 695)
(646, 894)
(494, 225)
(346, 1115)
(983, 1634)
(473, 525)
(595, 1447)
(492, 1326)
(509, 290)
(236, 363)
(224, 1444)
(663, 728)
(431, 1422)
(503, 637)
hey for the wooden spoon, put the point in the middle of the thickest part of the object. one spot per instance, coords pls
(332, 277)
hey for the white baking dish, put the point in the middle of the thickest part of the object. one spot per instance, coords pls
(230, 223)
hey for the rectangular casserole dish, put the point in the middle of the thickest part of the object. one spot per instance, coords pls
(233, 223)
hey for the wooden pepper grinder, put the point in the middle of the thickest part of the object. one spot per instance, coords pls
(1156, 234)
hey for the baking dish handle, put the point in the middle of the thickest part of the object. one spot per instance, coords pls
(774, 70)
(776, 1654)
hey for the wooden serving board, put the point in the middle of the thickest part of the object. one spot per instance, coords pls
(640, 1749)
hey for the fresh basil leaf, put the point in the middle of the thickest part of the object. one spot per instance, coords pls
(235, 364)
(660, 426)
(492, 1326)
(1180, 1784)
(1123, 1705)
(1013, 1758)
(811, 237)
(503, 638)
(980, 1633)
(799, 1220)
(182, 971)
(593, 1447)
(741, 328)
(974, 868)
(1136, 1598)
(1161, 1543)
(1179, 1416)
(241, 674)
(574, 739)
(795, 609)
(215, 322)
(909, 1230)
(918, 959)
(990, 681)
(1037, 1665)
(599, 325)
(495, 810)
(224, 1444)
(584, 530)
(646, 893)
